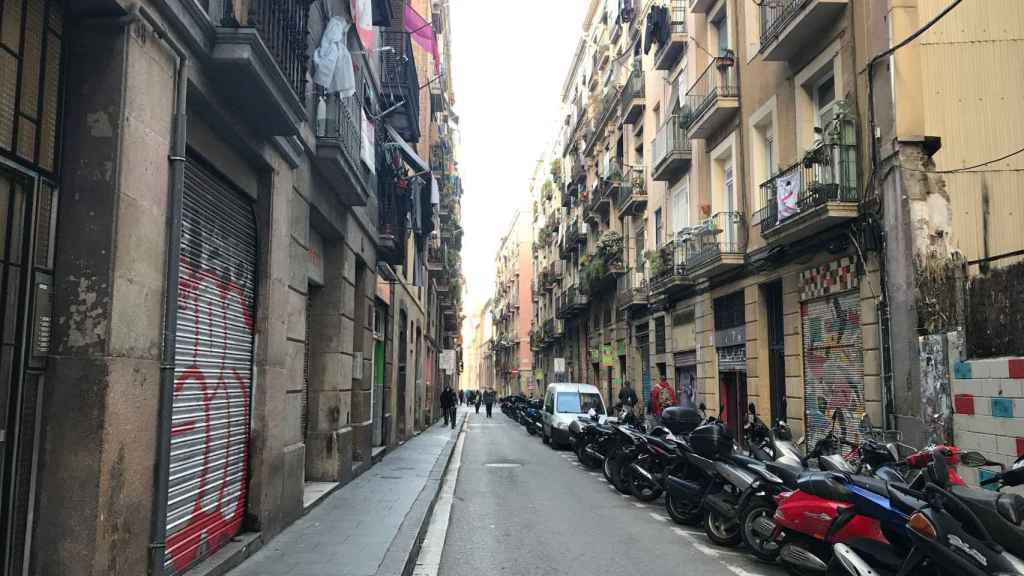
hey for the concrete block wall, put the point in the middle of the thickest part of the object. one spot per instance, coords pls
(988, 406)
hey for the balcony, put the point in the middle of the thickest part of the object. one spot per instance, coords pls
(597, 202)
(668, 271)
(669, 53)
(816, 194)
(713, 99)
(631, 192)
(787, 26)
(339, 150)
(717, 245)
(606, 109)
(573, 302)
(400, 84)
(633, 100)
(672, 151)
(633, 293)
(435, 258)
(391, 220)
(259, 57)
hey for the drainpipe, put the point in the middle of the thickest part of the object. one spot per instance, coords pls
(176, 158)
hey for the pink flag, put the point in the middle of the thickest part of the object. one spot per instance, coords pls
(422, 33)
(362, 15)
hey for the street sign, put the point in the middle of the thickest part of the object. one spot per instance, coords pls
(448, 361)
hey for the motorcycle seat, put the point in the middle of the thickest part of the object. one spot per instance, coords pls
(904, 502)
(1009, 506)
(824, 485)
(742, 460)
(789, 474)
(880, 487)
(666, 445)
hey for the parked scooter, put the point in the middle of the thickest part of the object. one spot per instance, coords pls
(658, 454)
(946, 535)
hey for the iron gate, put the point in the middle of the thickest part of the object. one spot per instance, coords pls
(213, 369)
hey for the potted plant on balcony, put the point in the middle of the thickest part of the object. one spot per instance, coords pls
(726, 59)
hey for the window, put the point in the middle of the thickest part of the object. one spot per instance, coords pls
(824, 101)
(657, 228)
(578, 403)
(681, 206)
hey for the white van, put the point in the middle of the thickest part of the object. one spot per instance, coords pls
(563, 403)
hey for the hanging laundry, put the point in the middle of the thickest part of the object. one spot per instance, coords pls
(332, 62)
(362, 16)
(787, 190)
(649, 29)
(382, 13)
(422, 33)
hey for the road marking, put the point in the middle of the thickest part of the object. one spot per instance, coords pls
(428, 563)
(596, 474)
(639, 504)
(740, 571)
(686, 533)
(659, 517)
(503, 465)
(624, 495)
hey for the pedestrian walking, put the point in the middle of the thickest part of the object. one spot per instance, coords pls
(489, 400)
(462, 397)
(447, 405)
(662, 396)
(476, 401)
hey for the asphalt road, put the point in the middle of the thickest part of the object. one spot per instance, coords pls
(522, 508)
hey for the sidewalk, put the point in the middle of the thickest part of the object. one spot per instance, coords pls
(371, 525)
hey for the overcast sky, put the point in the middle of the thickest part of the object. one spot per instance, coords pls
(509, 62)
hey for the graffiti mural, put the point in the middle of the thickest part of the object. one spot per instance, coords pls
(213, 378)
(833, 352)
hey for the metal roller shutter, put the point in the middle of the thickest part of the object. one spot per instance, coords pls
(833, 365)
(213, 370)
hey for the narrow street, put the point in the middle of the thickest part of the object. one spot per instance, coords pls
(523, 508)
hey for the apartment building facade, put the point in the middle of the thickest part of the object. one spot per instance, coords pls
(743, 239)
(197, 223)
(511, 311)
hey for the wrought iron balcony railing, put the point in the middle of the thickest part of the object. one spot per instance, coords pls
(723, 234)
(672, 149)
(717, 81)
(828, 174)
(282, 25)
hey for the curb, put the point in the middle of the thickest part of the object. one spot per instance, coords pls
(400, 558)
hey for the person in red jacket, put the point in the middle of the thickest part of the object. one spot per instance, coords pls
(662, 396)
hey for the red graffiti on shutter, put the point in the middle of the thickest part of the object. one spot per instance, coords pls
(206, 306)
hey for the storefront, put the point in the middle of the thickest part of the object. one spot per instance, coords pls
(731, 350)
(209, 454)
(833, 349)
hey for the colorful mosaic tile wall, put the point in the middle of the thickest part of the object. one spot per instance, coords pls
(988, 401)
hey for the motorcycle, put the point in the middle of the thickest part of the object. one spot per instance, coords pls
(589, 435)
(946, 535)
(830, 508)
(533, 419)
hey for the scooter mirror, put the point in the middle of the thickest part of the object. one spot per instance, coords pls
(592, 414)
(973, 459)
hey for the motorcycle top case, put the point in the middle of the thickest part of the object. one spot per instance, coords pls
(711, 441)
(680, 420)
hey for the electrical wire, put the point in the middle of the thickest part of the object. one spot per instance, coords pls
(972, 168)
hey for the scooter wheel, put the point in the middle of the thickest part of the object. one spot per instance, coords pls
(761, 545)
(680, 512)
(623, 478)
(544, 437)
(531, 431)
(720, 530)
(583, 457)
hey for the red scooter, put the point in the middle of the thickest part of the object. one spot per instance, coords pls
(809, 520)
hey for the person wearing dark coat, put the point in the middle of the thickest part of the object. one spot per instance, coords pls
(448, 403)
